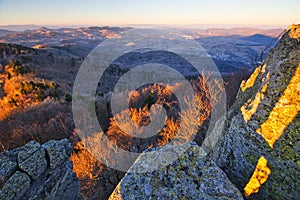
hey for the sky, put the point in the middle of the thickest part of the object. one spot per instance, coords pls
(278, 13)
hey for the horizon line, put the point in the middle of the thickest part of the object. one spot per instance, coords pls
(186, 26)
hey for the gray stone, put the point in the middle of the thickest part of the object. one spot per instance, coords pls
(27, 150)
(35, 165)
(67, 187)
(243, 143)
(60, 183)
(212, 137)
(7, 167)
(58, 151)
(15, 187)
(192, 176)
(34, 179)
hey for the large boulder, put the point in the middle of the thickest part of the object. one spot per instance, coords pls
(37, 171)
(259, 149)
(192, 176)
(16, 186)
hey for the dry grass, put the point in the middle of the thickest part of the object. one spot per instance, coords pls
(179, 126)
(84, 164)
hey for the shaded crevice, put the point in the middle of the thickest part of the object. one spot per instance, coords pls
(23, 171)
(47, 157)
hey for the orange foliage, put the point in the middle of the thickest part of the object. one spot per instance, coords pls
(22, 91)
(140, 115)
(84, 164)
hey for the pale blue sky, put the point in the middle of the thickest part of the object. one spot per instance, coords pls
(118, 12)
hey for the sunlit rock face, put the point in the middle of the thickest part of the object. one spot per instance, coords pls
(266, 125)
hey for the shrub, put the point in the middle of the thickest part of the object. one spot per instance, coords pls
(68, 97)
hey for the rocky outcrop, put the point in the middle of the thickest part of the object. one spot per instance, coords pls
(37, 171)
(259, 150)
(192, 176)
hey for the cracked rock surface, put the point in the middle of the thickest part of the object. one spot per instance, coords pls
(192, 176)
(37, 171)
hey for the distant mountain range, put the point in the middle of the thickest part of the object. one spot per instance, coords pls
(20, 27)
(232, 53)
(232, 31)
(232, 49)
(5, 32)
(79, 41)
(33, 27)
(56, 36)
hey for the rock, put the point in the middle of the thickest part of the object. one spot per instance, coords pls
(58, 151)
(7, 167)
(15, 187)
(35, 165)
(192, 176)
(27, 150)
(266, 126)
(67, 187)
(39, 175)
(60, 183)
(211, 138)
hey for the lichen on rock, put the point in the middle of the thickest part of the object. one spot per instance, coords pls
(271, 130)
(7, 167)
(15, 187)
(57, 151)
(27, 172)
(192, 176)
(35, 165)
